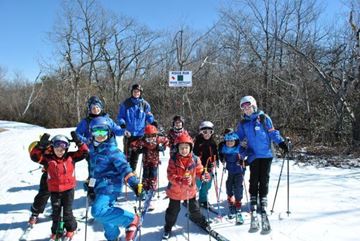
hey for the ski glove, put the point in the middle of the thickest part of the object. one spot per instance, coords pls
(161, 147)
(133, 182)
(185, 180)
(75, 138)
(284, 147)
(205, 177)
(44, 141)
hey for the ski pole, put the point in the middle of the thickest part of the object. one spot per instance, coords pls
(86, 212)
(187, 174)
(158, 182)
(217, 194)
(60, 229)
(244, 182)
(277, 187)
(34, 170)
(289, 143)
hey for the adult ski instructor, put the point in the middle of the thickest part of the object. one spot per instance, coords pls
(134, 114)
(257, 128)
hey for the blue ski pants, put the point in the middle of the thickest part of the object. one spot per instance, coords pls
(111, 217)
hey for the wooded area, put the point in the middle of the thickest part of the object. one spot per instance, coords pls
(304, 74)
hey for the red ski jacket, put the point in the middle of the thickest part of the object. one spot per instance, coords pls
(177, 168)
(61, 171)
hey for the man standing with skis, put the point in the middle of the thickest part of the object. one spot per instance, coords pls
(134, 114)
(257, 129)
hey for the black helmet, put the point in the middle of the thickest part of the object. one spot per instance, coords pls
(178, 118)
(136, 87)
(94, 100)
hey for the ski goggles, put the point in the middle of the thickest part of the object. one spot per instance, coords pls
(245, 105)
(61, 144)
(99, 132)
(207, 132)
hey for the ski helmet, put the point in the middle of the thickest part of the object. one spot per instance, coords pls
(137, 87)
(178, 118)
(94, 100)
(32, 145)
(206, 125)
(100, 122)
(184, 138)
(248, 99)
(150, 130)
(231, 137)
(228, 130)
(60, 141)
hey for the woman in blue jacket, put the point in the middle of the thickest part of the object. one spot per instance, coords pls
(109, 171)
(258, 131)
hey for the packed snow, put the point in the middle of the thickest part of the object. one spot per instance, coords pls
(324, 202)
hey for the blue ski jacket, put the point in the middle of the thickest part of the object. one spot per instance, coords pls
(259, 135)
(110, 168)
(232, 157)
(83, 131)
(135, 113)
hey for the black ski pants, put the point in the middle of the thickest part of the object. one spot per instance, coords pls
(42, 197)
(259, 177)
(174, 208)
(131, 155)
(65, 200)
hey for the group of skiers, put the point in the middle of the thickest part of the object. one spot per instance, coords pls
(191, 168)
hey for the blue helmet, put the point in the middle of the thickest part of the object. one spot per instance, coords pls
(99, 123)
(232, 136)
(94, 100)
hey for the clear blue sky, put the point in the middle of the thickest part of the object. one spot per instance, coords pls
(24, 24)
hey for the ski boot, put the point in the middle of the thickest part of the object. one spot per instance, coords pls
(33, 220)
(265, 224)
(239, 219)
(130, 232)
(68, 236)
(166, 235)
(232, 208)
(254, 223)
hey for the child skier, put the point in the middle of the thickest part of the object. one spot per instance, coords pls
(150, 145)
(60, 165)
(206, 148)
(257, 128)
(95, 109)
(182, 170)
(43, 195)
(236, 170)
(176, 130)
(109, 170)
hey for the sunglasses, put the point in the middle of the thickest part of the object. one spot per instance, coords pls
(61, 144)
(150, 135)
(99, 132)
(245, 105)
(209, 132)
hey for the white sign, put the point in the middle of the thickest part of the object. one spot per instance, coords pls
(180, 78)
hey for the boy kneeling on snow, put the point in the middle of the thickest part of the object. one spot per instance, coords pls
(60, 165)
(109, 170)
(181, 172)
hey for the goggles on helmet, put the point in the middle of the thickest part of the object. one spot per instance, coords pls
(61, 144)
(99, 132)
(245, 105)
(207, 131)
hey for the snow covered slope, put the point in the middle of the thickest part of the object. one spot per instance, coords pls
(324, 203)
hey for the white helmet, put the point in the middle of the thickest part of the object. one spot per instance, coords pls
(206, 125)
(249, 99)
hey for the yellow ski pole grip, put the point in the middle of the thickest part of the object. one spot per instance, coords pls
(140, 186)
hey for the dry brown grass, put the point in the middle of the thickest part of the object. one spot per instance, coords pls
(1, 129)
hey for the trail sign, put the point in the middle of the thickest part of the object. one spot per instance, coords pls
(180, 78)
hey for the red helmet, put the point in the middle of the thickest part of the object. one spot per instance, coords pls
(150, 129)
(184, 138)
